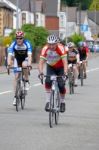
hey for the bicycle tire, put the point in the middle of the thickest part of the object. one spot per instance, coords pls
(57, 108)
(71, 84)
(17, 96)
(23, 95)
(81, 75)
(51, 111)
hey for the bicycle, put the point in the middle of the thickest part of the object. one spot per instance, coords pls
(81, 72)
(54, 107)
(71, 78)
(20, 91)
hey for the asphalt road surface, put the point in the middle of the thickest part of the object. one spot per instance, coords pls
(28, 129)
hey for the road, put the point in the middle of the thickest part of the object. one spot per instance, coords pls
(78, 127)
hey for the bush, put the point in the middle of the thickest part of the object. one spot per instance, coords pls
(76, 38)
(36, 35)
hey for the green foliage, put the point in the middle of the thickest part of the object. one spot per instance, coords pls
(1, 40)
(83, 4)
(36, 35)
(76, 38)
(94, 5)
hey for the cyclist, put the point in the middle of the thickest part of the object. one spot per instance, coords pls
(20, 53)
(54, 54)
(73, 58)
(83, 53)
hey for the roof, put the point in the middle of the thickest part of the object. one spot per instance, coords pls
(29, 5)
(26, 5)
(94, 16)
(6, 5)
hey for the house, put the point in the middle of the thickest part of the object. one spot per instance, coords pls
(6, 16)
(93, 19)
(51, 16)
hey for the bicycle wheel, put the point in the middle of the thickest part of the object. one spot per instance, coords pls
(22, 97)
(18, 91)
(71, 83)
(81, 75)
(57, 101)
(51, 111)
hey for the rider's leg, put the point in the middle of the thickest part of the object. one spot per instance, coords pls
(84, 64)
(75, 67)
(26, 74)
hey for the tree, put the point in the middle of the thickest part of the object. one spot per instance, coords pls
(94, 5)
(76, 38)
(85, 4)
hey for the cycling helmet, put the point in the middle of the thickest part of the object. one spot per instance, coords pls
(81, 43)
(19, 34)
(52, 39)
(70, 44)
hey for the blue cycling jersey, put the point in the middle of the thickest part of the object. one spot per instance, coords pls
(20, 52)
(26, 46)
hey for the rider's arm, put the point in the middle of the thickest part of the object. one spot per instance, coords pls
(41, 65)
(78, 59)
(64, 60)
(29, 46)
(42, 60)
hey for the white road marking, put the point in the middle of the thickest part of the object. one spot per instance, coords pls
(94, 69)
(38, 84)
(5, 92)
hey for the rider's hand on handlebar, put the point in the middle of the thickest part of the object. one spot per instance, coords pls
(65, 76)
(40, 76)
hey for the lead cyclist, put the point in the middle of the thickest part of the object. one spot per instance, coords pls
(20, 55)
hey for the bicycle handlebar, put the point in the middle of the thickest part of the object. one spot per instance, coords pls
(52, 77)
(19, 69)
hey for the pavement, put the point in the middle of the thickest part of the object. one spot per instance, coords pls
(35, 65)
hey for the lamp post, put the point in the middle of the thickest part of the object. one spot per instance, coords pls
(96, 17)
(17, 16)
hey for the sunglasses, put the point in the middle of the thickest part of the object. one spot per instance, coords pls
(19, 38)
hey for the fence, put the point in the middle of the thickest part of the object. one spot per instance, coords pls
(2, 55)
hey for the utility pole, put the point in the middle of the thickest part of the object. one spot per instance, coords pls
(17, 16)
(34, 12)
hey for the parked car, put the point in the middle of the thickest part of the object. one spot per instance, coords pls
(93, 47)
(96, 48)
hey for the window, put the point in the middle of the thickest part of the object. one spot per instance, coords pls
(23, 18)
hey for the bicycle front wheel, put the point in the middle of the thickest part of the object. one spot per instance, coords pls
(17, 96)
(51, 111)
(23, 96)
(57, 101)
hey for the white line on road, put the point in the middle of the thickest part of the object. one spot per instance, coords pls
(5, 92)
(94, 69)
(38, 84)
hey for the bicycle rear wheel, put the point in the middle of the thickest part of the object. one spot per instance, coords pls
(51, 111)
(71, 85)
(81, 75)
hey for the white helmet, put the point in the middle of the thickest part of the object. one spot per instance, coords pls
(70, 44)
(52, 39)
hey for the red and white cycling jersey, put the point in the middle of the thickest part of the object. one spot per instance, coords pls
(54, 57)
